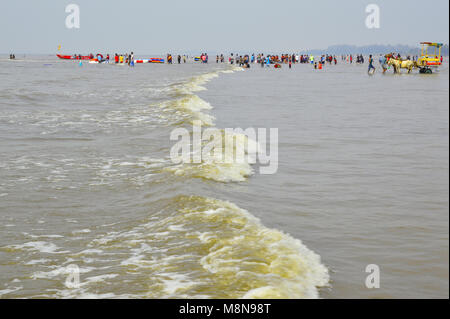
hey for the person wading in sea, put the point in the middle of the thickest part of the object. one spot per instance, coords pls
(131, 59)
(383, 63)
(371, 65)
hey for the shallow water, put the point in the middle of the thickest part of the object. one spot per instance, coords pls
(86, 180)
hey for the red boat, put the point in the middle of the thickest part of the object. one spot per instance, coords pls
(73, 57)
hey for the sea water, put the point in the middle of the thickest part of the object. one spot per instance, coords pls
(86, 181)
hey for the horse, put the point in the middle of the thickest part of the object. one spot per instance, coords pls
(399, 64)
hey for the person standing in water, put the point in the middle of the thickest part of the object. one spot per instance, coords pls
(371, 67)
(383, 63)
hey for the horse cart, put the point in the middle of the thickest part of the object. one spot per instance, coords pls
(430, 57)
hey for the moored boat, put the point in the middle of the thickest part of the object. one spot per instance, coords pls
(74, 57)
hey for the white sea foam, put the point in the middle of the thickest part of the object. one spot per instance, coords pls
(189, 107)
(91, 251)
(239, 257)
(81, 231)
(176, 284)
(9, 290)
(246, 251)
(38, 261)
(40, 246)
(97, 279)
(223, 166)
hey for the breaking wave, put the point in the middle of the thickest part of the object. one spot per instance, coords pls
(195, 247)
(229, 160)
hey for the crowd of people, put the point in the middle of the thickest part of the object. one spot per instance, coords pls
(123, 58)
(246, 60)
(277, 60)
(179, 58)
(127, 58)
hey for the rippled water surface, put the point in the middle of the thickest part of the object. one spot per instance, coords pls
(86, 179)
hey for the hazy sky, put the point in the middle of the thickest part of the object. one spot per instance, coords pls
(147, 26)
